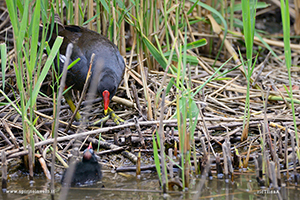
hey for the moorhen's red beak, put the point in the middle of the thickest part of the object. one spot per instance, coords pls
(90, 146)
(105, 95)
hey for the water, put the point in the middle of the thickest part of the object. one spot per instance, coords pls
(127, 186)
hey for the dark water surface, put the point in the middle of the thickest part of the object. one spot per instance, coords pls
(127, 186)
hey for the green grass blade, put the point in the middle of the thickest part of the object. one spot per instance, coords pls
(73, 63)
(266, 45)
(35, 34)
(3, 62)
(46, 68)
(192, 8)
(249, 9)
(23, 27)
(85, 23)
(156, 158)
(12, 10)
(207, 7)
(238, 6)
(20, 113)
(288, 61)
(196, 44)
(155, 53)
(210, 78)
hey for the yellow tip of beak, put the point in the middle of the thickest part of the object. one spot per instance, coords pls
(105, 111)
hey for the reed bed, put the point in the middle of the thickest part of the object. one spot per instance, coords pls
(198, 94)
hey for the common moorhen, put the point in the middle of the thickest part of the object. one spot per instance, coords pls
(87, 171)
(107, 68)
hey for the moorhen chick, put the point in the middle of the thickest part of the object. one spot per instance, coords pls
(87, 171)
(107, 68)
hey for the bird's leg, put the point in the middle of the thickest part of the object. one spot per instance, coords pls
(110, 114)
(101, 121)
(114, 116)
(68, 95)
(68, 98)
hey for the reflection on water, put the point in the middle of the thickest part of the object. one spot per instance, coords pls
(126, 186)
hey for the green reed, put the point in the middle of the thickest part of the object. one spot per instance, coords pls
(248, 12)
(25, 18)
(285, 14)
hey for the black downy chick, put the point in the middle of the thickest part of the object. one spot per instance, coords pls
(87, 171)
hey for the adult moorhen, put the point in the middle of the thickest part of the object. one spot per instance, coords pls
(87, 171)
(107, 68)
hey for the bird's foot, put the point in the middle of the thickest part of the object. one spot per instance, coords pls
(100, 121)
(112, 115)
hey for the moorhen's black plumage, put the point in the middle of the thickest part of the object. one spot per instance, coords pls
(86, 171)
(107, 68)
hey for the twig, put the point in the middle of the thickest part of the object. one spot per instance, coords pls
(10, 133)
(85, 87)
(62, 86)
(206, 131)
(138, 128)
(4, 171)
(262, 66)
(162, 147)
(5, 138)
(107, 145)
